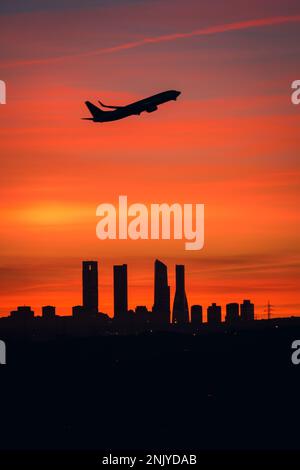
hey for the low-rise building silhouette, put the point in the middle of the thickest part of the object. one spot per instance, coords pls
(214, 314)
(232, 313)
(23, 312)
(142, 314)
(247, 311)
(78, 311)
(196, 315)
(48, 312)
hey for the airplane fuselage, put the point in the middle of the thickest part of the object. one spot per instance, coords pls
(147, 104)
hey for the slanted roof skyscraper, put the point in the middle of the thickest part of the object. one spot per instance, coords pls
(161, 306)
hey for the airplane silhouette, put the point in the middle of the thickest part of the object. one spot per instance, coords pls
(149, 104)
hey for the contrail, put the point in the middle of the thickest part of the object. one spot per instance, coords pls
(210, 30)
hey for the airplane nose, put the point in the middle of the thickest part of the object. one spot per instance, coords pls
(177, 93)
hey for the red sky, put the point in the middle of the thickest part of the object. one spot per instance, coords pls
(231, 141)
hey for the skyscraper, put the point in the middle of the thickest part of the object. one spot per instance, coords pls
(120, 291)
(180, 306)
(161, 306)
(90, 286)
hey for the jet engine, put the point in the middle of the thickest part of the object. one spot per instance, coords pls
(150, 109)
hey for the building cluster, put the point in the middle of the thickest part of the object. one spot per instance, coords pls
(160, 314)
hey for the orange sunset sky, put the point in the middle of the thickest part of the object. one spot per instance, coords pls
(231, 141)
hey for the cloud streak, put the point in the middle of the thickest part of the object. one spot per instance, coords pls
(210, 30)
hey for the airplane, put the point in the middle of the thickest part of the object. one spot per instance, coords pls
(149, 105)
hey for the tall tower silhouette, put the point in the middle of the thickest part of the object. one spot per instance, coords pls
(90, 286)
(180, 306)
(161, 306)
(120, 291)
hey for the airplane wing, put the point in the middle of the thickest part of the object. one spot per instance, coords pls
(110, 107)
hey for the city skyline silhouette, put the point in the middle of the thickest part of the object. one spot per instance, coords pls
(161, 313)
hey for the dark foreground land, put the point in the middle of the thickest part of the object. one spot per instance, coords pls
(226, 389)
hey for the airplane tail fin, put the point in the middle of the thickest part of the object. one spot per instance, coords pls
(94, 110)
